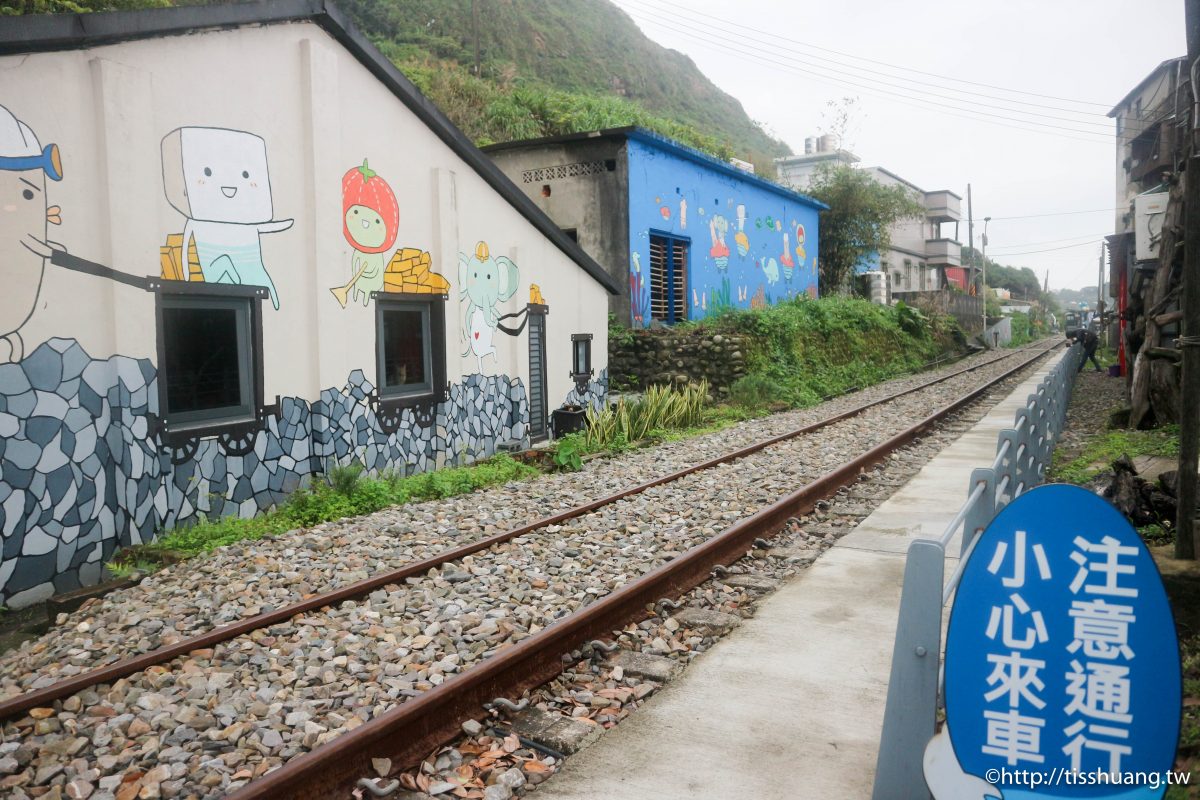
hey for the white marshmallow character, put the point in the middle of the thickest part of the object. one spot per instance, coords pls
(218, 179)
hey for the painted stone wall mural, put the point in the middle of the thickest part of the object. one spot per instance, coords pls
(86, 474)
(370, 223)
(218, 179)
(25, 212)
(483, 283)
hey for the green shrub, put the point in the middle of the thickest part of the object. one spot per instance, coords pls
(802, 351)
(756, 391)
(660, 409)
(911, 320)
(567, 452)
(347, 493)
(345, 478)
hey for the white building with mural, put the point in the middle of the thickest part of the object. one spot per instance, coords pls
(239, 248)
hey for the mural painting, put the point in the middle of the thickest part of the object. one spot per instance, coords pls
(218, 180)
(742, 240)
(718, 226)
(370, 223)
(483, 283)
(745, 238)
(639, 293)
(785, 260)
(25, 213)
(370, 217)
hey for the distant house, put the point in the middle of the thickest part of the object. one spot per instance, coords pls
(685, 233)
(1148, 136)
(923, 255)
(1151, 137)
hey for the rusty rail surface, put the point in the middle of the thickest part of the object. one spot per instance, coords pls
(411, 730)
(25, 701)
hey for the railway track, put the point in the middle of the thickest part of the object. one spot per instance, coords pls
(509, 647)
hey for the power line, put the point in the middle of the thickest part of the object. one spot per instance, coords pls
(1088, 236)
(697, 29)
(707, 39)
(664, 19)
(1088, 243)
(797, 43)
(1059, 214)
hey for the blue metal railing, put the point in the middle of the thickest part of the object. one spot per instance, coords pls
(914, 688)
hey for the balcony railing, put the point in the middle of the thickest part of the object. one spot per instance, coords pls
(943, 252)
(943, 206)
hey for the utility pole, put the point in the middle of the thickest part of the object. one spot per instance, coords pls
(1189, 388)
(983, 269)
(1100, 295)
(971, 250)
(475, 32)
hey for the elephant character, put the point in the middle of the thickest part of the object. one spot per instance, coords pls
(483, 283)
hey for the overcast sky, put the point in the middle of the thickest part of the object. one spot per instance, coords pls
(765, 53)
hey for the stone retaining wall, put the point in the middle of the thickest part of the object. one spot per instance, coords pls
(82, 472)
(665, 356)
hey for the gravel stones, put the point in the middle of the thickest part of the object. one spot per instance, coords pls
(254, 702)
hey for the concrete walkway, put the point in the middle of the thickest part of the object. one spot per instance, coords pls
(790, 705)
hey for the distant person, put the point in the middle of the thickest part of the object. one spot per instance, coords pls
(1090, 342)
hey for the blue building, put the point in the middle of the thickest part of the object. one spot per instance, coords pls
(685, 234)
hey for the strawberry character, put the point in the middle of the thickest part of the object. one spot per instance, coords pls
(370, 219)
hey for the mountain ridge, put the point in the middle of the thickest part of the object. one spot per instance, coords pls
(580, 47)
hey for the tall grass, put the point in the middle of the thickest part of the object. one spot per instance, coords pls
(661, 409)
(802, 351)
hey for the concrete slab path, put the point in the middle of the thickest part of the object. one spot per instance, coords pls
(790, 705)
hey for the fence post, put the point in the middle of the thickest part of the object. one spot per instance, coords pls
(910, 715)
(1007, 466)
(1024, 451)
(984, 509)
(1039, 433)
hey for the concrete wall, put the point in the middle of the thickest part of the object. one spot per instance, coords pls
(580, 197)
(749, 246)
(999, 334)
(82, 468)
(1131, 117)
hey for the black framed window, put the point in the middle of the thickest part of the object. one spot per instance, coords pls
(209, 374)
(581, 355)
(410, 351)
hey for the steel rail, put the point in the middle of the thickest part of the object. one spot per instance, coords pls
(123, 668)
(411, 730)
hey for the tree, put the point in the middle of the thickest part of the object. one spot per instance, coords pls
(858, 222)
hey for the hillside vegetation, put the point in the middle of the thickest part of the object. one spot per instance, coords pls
(545, 68)
(585, 48)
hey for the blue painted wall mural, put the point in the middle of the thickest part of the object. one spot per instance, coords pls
(749, 245)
